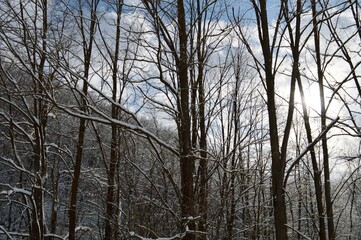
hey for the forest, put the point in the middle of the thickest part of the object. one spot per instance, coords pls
(180, 119)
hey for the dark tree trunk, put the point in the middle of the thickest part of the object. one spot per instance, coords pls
(203, 161)
(316, 172)
(329, 210)
(87, 50)
(112, 205)
(186, 158)
(203, 171)
(295, 42)
(278, 163)
(40, 109)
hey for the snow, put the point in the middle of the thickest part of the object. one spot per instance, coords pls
(11, 163)
(178, 236)
(108, 120)
(14, 190)
(175, 237)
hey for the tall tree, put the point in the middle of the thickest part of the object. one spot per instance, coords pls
(30, 29)
(112, 200)
(87, 33)
(183, 118)
(186, 158)
(326, 164)
(295, 40)
(278, 155)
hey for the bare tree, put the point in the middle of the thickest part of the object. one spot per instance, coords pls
(112, 200)
(147, 119)
(267, 68)
(30, 55)
(87, 32)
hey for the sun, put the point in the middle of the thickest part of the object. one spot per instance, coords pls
(312, 100)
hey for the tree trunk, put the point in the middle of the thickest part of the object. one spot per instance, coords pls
(329, 210)
(203, 132)
(87, 50)
(112, 205)
(186, 158)
(316, 172)
(278, 164)
(40, 109)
